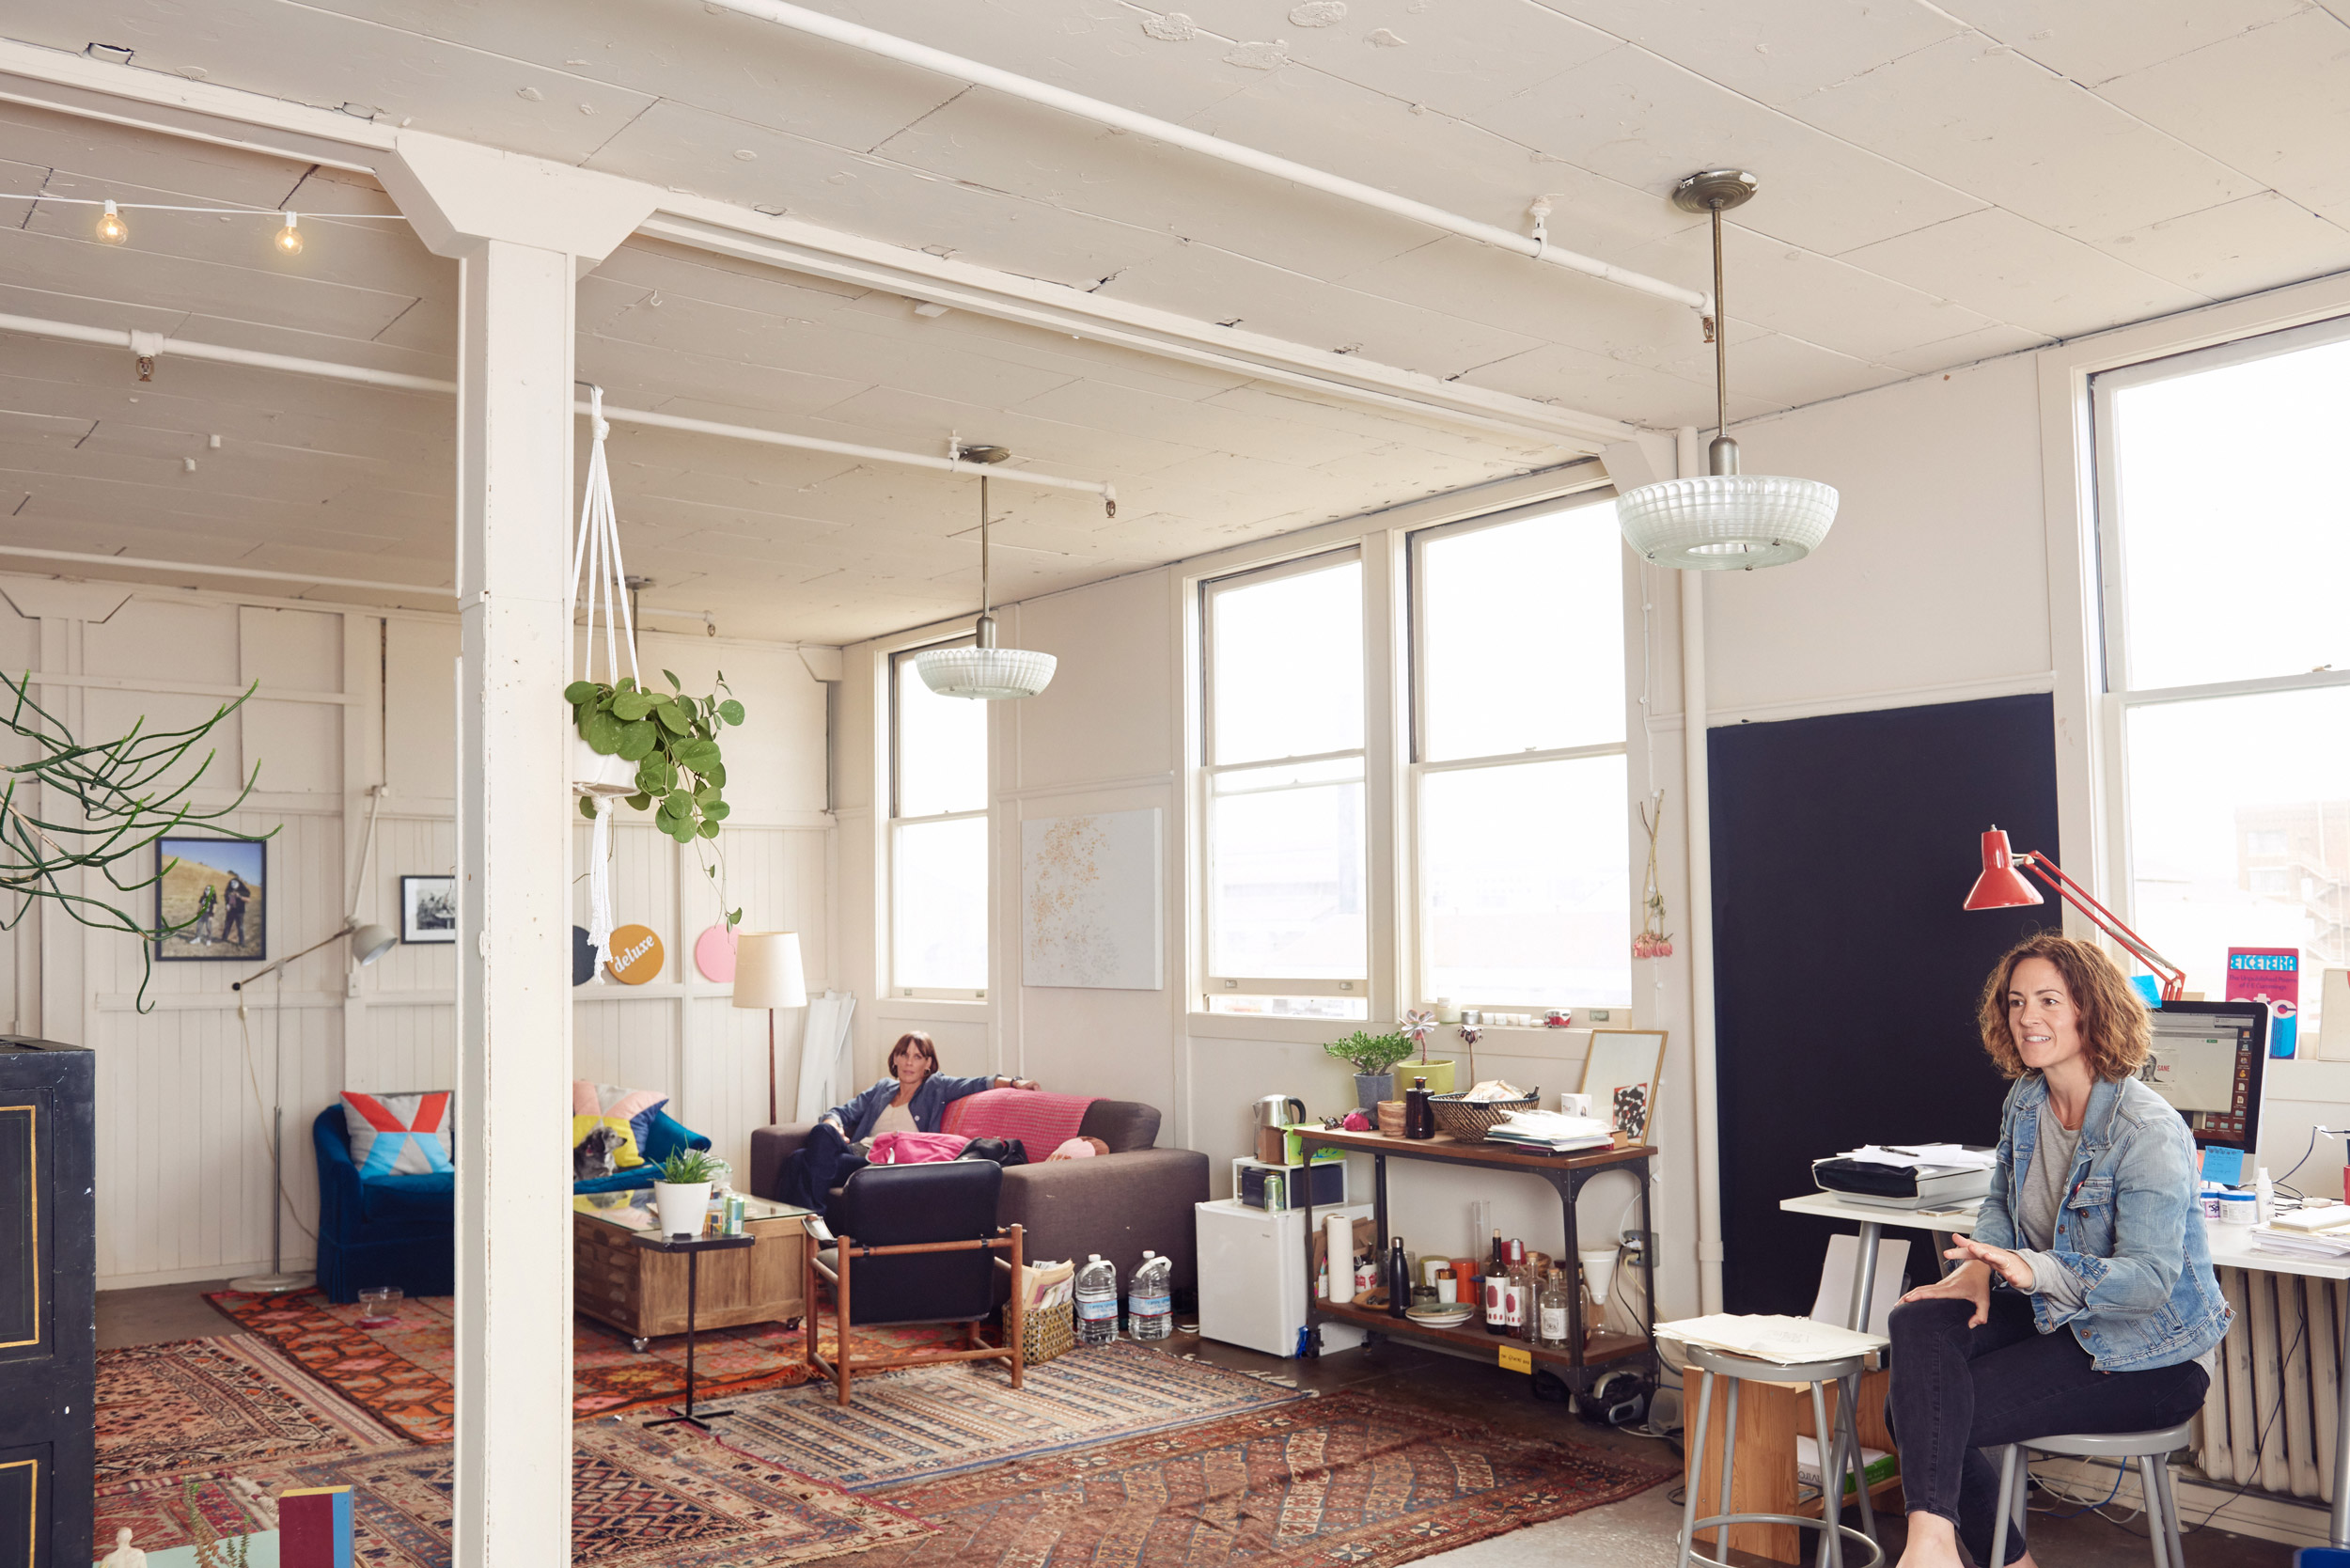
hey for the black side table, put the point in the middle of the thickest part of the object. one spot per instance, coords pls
(693, 1248)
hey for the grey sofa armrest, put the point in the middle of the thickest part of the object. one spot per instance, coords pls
(769, 1148)
(1115, 1204)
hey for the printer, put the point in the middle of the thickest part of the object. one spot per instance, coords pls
(1914, 1176)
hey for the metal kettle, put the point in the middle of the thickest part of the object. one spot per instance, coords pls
(1274, 1112)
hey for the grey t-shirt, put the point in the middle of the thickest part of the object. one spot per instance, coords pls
(2043, 1201)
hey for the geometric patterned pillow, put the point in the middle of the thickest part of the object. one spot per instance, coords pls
(399, 1135)
(637, 1107)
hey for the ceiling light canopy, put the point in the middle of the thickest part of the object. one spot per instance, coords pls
(984, 671)
(1723, 520)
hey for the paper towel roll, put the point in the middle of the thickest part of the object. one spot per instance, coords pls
(1337, 1233)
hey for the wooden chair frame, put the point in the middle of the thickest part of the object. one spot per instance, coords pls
(1006, 1240)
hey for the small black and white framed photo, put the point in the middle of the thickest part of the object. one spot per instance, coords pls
(427, 909)
(210, 899)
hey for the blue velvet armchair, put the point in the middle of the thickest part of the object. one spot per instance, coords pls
(402, 1230)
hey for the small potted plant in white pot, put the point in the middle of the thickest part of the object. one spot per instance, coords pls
(1373, 1058)
(680, 1192)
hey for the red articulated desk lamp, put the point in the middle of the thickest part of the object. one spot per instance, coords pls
(2002, 886)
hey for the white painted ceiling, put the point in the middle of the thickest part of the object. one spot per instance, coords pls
(1940, 184)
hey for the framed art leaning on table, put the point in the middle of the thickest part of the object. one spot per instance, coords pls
(1622, 1074)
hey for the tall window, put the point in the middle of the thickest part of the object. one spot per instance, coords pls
(2224, 544)
(1287, 901)
(1518, 761)
(937, 838)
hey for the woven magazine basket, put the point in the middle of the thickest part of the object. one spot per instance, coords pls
(1470, 1119)
(1046, 1332)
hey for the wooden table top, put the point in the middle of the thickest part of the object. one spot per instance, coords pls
(1445, 1147)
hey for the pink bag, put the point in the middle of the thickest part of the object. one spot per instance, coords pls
(916, 1148)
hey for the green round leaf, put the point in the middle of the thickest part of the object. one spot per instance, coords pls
(588, 808)
(640, 800)
(637, 741)
(673, 718)
(675, 685)
(701, 756)
(708, 829)
(632, 705)
(602, 733)
(731, 711)
(580, 691)
(718, 811)
(684, 831)
(652, 777)
(715, 773)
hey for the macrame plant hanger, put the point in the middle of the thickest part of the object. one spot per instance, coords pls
(596, 569)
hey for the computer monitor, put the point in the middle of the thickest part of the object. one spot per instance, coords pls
(2207, 1060)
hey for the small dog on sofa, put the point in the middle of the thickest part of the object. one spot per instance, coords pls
(594, 1157)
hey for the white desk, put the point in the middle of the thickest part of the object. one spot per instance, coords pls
(2231, 1247)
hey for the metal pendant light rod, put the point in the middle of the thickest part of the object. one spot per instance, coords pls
(1715, 192)
(1721, 336)
(983, 598)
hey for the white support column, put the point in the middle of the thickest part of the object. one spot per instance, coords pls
(521, 232)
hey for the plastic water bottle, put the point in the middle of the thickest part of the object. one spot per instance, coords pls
(1150, 1310)
(1097, 1301)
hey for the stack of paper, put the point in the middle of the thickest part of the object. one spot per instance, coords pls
(2331, 1245)
(1941, 1156)
(2329, 1217)
(1786, 1342)
(1551, 1131)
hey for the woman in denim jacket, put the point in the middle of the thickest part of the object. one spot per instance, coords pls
(2085, 1300)
(912, 1099)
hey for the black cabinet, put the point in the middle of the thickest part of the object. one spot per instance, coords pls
(48, 1304)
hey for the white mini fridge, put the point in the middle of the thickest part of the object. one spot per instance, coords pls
(1252, 1276)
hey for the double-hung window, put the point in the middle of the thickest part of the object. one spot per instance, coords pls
(937, 838)
(2224, 554)
(1282, 739)
(1518, 760)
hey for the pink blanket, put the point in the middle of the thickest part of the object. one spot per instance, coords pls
(916, 1148)
(1042, 1122)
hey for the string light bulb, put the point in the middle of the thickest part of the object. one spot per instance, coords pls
(289, 238)
(111, 228)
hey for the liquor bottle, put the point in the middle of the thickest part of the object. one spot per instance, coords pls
(1496, 1284)
(1398, 1279)
(1554, 1309)
(1419, 1118)
(1516, 1318)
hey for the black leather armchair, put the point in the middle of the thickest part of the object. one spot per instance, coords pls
(914, 1244)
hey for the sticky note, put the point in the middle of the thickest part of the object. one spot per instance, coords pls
(2223, 1165)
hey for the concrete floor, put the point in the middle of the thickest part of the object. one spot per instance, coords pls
(1639, 1532)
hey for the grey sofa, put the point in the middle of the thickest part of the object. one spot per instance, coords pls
(1135, 1198)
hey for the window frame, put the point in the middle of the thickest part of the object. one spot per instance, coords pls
(897, 659)
(2113, 695)
(1213, 985)
(1418, 767)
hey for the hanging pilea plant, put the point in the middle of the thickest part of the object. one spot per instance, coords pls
(672, 741)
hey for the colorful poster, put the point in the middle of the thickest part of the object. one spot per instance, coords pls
(2271, 975)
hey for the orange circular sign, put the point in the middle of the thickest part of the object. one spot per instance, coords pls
(637, 955)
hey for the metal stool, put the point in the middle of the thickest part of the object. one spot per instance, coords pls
(1838, 1458)
(2151, 1449)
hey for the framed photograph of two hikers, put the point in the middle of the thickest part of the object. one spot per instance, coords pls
(212, 899)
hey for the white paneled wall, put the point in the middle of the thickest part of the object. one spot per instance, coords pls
(347, 699)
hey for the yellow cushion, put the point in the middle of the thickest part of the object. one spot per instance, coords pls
(624, 1154)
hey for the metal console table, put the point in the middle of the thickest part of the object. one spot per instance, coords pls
(1580, 1364)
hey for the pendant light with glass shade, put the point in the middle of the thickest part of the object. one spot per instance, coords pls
(1723, 520)
(984, 671)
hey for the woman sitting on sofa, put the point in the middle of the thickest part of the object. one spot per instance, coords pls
(914, 1099)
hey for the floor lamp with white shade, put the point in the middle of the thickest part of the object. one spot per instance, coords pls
(768, 974)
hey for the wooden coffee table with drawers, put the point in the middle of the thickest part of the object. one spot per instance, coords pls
(642, 1293)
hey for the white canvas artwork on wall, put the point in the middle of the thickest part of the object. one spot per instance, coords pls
(1090, 902)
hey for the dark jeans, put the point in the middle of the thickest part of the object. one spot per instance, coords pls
(1957, 1390)
(815, 1168)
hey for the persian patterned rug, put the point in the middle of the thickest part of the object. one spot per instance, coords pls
(931, 1422)
(400, 1372)
(200, 1405)
(639, 1499)
(1344, 1480)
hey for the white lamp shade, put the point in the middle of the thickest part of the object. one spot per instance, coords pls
(1726, 521)
(767, 970)
(370, 942)
(996, 674)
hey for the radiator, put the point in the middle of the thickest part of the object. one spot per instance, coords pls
(2268, 1420)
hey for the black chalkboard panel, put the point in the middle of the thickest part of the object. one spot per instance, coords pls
(48, 1304)
(1845, 973)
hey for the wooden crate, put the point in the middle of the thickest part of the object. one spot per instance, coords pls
(1769, 1417)
(642, 1293)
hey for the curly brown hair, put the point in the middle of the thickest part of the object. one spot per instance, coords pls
(2116, 1029)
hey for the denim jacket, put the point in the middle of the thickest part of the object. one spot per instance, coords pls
(2131, 1232)
(929, 1103)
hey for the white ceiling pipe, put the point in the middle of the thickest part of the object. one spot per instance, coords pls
(892, 47)
(145, 564)
(187, 349)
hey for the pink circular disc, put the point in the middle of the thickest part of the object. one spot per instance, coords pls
(714, 955)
